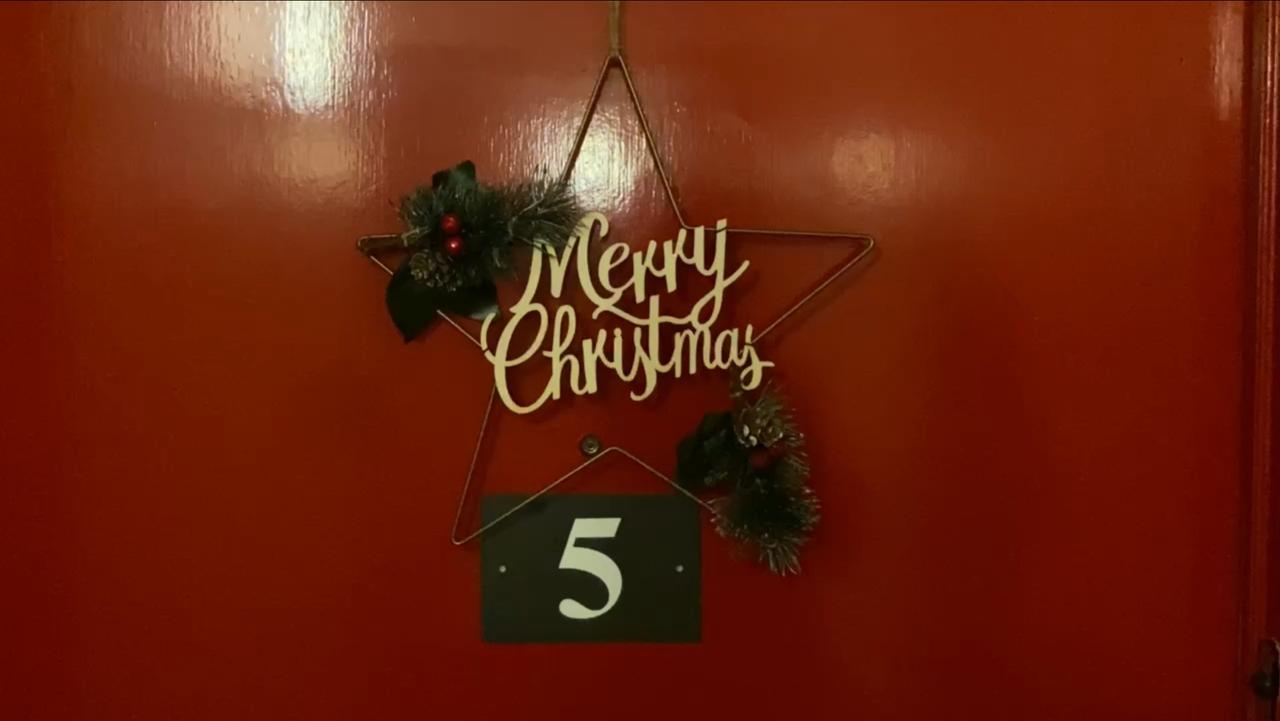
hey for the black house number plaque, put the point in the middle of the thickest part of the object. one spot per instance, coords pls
(592, 568)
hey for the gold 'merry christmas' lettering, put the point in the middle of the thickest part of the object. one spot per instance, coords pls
(576, 365)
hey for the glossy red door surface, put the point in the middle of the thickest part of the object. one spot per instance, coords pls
(227, 486)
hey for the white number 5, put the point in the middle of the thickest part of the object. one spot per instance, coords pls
(591, 561)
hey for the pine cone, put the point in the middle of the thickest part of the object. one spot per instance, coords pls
(435, 270)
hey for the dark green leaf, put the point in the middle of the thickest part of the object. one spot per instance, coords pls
(689, 466)
(439, 178)
(477, 301)
(412, 305)
(467, 169)
(709, 455)
(463, 174)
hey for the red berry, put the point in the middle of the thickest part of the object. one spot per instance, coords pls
(450, 224)
(454, 246)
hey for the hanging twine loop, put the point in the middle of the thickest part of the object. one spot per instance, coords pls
(615, 27)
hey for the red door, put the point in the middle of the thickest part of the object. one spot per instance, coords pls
(227, 486)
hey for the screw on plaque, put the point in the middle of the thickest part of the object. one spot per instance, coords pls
(589, 445)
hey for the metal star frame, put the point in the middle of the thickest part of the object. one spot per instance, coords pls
(864, 244)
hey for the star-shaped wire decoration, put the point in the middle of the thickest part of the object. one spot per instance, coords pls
(863, 246)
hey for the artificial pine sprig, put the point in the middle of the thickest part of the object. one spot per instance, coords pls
(461, 235)
(756, 452)
(773, 513)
